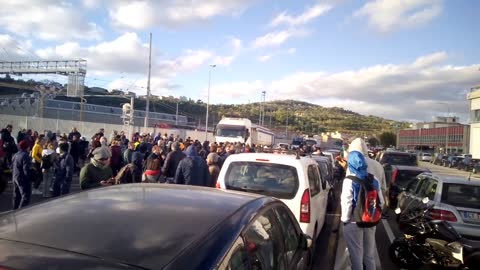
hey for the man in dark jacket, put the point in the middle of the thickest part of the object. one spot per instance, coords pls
(192, 170)
(22, 186)
(171, 162)
(9, 146)
(97, 173)
(64, 172)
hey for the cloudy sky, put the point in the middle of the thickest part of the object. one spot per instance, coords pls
(399, 59)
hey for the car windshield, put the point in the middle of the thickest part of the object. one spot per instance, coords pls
(230, 131)
(400, 159)
(461, 195)
(277, 180)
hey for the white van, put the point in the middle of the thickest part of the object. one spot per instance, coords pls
(294, 180)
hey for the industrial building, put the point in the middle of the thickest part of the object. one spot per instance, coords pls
(444, 134)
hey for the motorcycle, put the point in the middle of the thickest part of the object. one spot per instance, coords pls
(428, 241)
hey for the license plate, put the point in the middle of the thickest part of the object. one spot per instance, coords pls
(471, 215)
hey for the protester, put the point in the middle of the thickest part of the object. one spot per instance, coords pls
(116, 159)
(73, 133)
(171, 162)
(127, 154)
(374, 167)
(213, 168)
(49, 159)
(22, 186)
(97, 173)
(37, 158)
(75, 150)
(64, 172)
(8, 145)
(153, 166)
(360, 241)
(192, 170)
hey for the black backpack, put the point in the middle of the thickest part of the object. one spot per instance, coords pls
(46, 162)
(367, 211)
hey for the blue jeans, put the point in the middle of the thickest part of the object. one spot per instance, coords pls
(22, 191)
(361, 246)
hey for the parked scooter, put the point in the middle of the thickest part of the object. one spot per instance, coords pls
(428, 241)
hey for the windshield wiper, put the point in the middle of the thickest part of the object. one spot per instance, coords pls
(247, 189)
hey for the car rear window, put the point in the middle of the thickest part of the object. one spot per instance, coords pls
(427, 155)
(461, 195)
(400, 159)
(277, 180)
(405, 176)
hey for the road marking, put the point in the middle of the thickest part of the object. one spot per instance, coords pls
(389, 231)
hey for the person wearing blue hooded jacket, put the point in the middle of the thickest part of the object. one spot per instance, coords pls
(192, 170)
(360, 241)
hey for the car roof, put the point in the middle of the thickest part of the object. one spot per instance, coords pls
(396, 153)
(411, 168)
(145, 225)
(272, 158)
(455, 179)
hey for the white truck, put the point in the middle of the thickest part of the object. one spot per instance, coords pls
(242, 130)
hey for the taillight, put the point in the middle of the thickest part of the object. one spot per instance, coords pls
(305, 207)
(442, 215)
(394, 176)
(217, 185)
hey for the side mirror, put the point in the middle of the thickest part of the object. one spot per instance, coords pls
(306, 242)
(425, 200)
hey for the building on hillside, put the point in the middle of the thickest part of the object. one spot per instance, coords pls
(444, 134)
(474, 97)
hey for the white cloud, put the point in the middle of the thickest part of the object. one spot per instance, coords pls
(128, 55)
(46, 19)
(142, 14)
(91, 3)
(268, 57)
(308, 15)
(408, 92)
(12, 49)
(386, 16)
(277, 38)
(264, 58)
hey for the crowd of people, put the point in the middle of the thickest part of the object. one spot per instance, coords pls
(45, 163)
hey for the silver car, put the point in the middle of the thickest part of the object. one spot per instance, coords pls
(457, 200)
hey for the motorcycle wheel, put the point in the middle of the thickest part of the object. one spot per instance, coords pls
(401, 255)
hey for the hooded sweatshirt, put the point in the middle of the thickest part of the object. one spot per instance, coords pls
(192, 170)
(374, 167)
(358, 167)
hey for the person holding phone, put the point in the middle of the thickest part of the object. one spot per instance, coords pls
(98, 172)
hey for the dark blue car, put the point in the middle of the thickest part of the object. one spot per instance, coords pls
(153, 226)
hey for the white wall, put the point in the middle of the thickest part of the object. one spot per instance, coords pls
(475, 140)
(87, 129)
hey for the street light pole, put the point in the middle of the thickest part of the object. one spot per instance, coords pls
(208, 99)
(147, 107)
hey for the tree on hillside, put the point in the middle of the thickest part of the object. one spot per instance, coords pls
(373, 141)
(388, 139)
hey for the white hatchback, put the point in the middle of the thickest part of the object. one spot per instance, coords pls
(294, 180)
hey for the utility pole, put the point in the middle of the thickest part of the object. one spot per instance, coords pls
(208, 100)
(286, 126)
(263, 108)
(147, 108)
